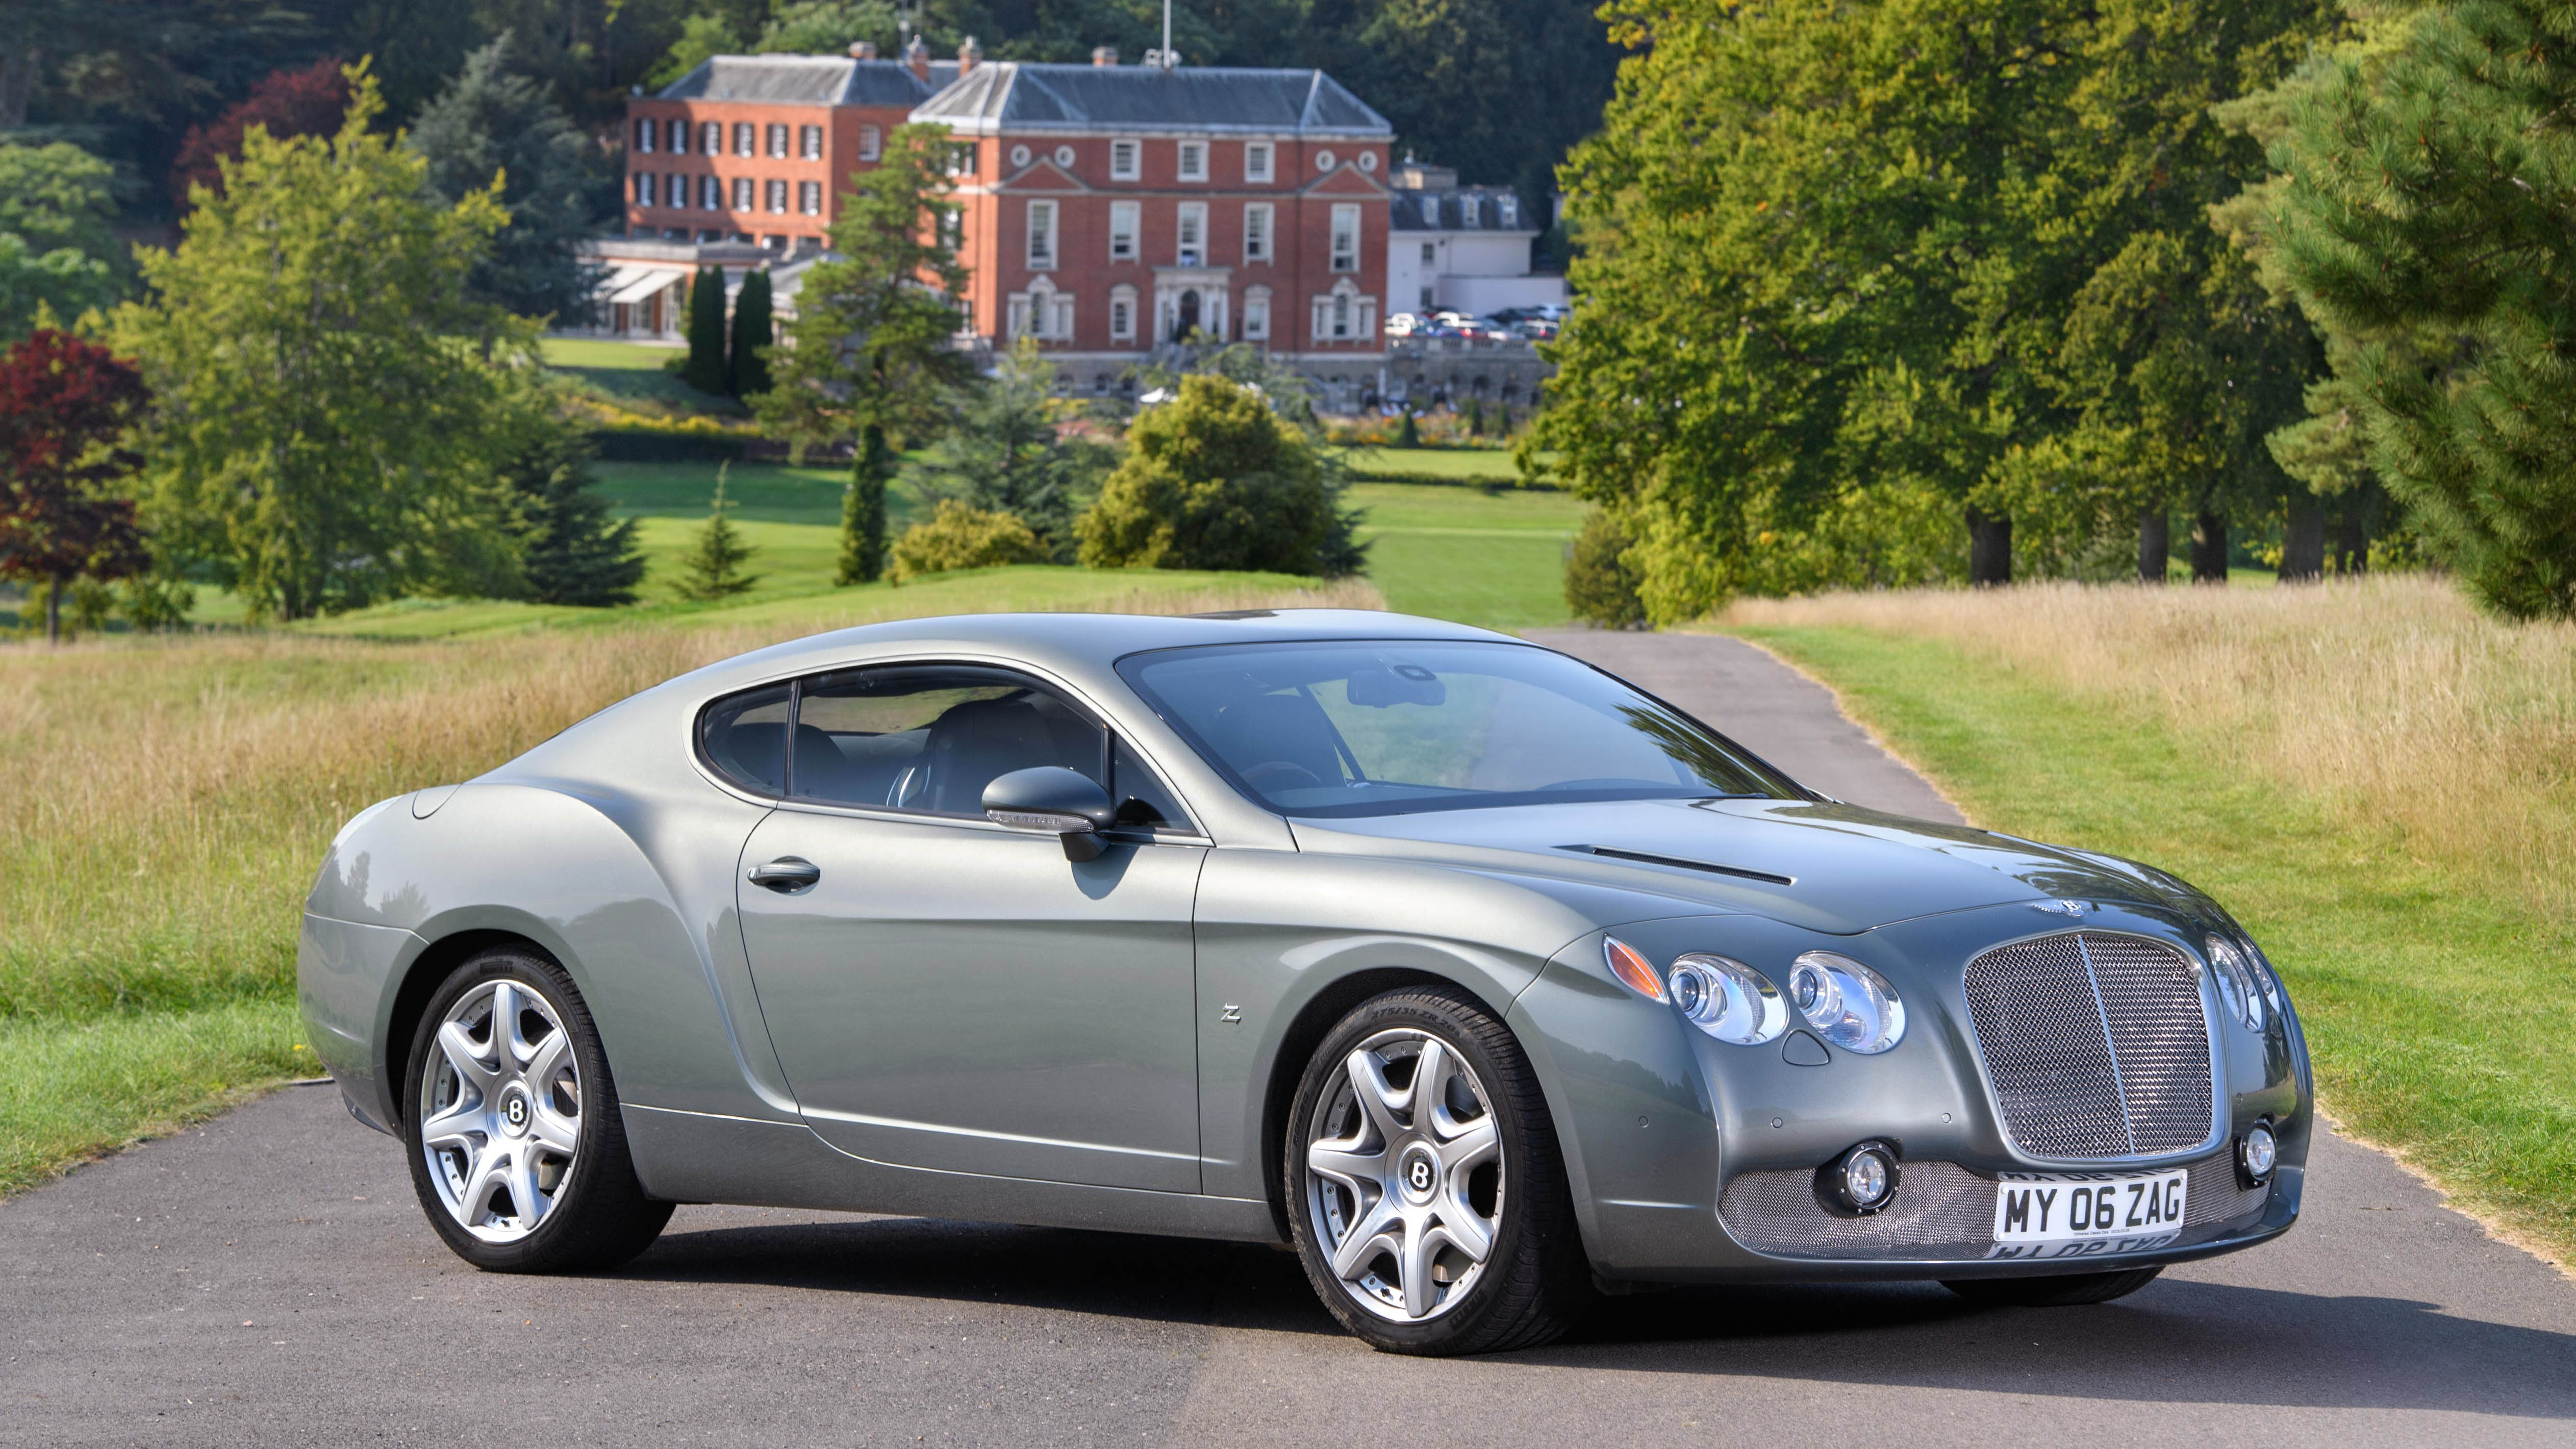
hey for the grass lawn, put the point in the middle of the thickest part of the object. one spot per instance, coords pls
(1492, 559)
(1464, 464)
(2433, 1001)
(632, 376)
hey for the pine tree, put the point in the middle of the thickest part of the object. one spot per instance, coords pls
(490, 127)
(706, 370)
(712, 568)
(1475, 417)
(754, 330)
(863, 511)
(1004, 455)
(1408, 433)
(573, 552)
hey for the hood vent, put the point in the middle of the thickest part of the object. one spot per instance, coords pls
(1642, 858)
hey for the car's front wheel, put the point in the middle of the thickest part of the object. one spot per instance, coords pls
(1426, 1194)
(517, 1151)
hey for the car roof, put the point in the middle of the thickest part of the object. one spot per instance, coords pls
(1069, 643)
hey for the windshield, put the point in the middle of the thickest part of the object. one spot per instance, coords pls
(1384, 727)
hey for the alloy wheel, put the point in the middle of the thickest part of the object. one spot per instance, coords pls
(1405, 1175)
(500, 1109)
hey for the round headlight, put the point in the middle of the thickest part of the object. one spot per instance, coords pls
(1847, 1003)
(2258, 1153)
(1728, 999)
(2236, 982)
(1862, 1180)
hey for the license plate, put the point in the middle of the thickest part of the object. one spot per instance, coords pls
(2046, 1215)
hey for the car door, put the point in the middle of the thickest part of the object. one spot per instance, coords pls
(948, 993)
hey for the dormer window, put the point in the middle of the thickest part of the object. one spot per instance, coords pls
(1508, 208)
(1469, 208)
(1431, 211)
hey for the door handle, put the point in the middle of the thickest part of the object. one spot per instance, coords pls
(787, 874)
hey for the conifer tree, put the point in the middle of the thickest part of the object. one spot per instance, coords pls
(863, 511)
(706, 370)
(713, 567)
(572, 552)
(754, 330)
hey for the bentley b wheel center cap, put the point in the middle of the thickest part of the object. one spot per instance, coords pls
(515, 1113)
(1418, 1172)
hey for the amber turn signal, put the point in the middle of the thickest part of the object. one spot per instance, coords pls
(1630, 967)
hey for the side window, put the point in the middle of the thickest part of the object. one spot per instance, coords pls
(745, 737)
(931, 737)
(1143, 800)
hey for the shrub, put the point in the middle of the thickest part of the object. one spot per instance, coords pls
(960, 536)
(1215, 480)
(1600, 583)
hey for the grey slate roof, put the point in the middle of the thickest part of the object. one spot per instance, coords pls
(809, 80)
(1404, 210)
(1022, 95)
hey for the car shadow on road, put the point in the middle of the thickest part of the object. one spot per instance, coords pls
(2178, 1340)
(2175, 1341)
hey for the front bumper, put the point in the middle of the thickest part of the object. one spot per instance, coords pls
(1693, 1160)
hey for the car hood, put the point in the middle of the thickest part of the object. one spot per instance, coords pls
(1823, 865)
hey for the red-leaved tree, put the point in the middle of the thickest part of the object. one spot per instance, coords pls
(290, 103)
(64, 406)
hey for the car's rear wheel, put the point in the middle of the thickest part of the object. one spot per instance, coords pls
(1425, 1191)
(2061, 1291)
(518, 1154)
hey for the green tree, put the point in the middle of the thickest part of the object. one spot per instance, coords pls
(702, 38)
(755, 331)
(2423, 221)
(706, 367)
(1215, 480)
(1005, 454)
(713, 566)
(56, 250)
(571, 550)
(329, 398)
(491, 128)
(872, 342)
(863, 511)
(1600, 584)
(828, 27)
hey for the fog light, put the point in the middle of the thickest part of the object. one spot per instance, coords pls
(2256, 1153)
(1863, 1180)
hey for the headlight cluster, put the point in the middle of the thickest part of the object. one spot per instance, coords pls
(2237, 986)
(1847, 1003)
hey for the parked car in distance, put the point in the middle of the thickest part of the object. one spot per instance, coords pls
(1482, 978)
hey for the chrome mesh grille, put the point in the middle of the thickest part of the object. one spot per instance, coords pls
(2096, 1044)
(1942, 1212)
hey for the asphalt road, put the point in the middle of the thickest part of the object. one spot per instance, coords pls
(267, 1280)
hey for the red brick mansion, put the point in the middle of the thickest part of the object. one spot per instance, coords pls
(1104, 210)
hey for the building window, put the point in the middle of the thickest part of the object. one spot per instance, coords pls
(871, 145)
(1192, 248)
(1430, 255)
(1346, 238)
(1040, 312)
(644, 136)
(1194, 160)
(710, 194)
(1471, 211)
(1256, 160)
(1122, 231)
(643, 188)
(742, 193)
(1507, 211)
(1126, 160)
(1368, 160)
(1256, 315)
(1431, 211)
(1060, 319)
(778, 198)
(811, 143)
(778, 142)
(1256, 232)
(952, 228)
(1122, 314)
(675, 191)
(1041, 236)
(961, 160)
(745, 135)
(809, 197)
(679, 138)
(711, 138)
(1342, 317)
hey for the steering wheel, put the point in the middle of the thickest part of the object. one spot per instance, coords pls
(1274, 775)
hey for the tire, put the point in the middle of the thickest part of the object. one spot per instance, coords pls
(488, 1115)
(2066, 1291)
(1376, 1185)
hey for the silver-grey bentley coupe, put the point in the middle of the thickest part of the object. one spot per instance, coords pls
(1487, 980)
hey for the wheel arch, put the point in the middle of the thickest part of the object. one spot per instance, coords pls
(430, 966)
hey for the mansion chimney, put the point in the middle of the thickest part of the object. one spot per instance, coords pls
(917, 56)
(863, 50)
(1104, 55)
(969, 55)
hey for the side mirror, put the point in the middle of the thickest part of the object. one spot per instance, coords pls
(1055, 801)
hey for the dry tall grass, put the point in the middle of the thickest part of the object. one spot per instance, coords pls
(2388, 697)
(164, 802)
